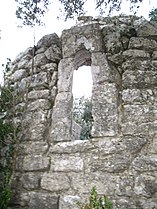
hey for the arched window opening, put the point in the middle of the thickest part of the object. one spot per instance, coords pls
(82, 104)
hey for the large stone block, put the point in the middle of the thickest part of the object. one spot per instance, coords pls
(86, 37)
(142, 43)
(43, 200)
(67, 164)
(43, 104)
(53, 53)
(145, 164)
(65, 75)
(55, 182)
(105, 110)
(35, 162)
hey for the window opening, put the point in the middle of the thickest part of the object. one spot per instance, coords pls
(82, 104)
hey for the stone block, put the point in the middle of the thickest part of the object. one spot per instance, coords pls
(145, 185)
(36, 147)
(115, 163)
(42, 104)
(48, 40)
(36, 163)
(39, 80)
(65, 75)
(139, 79)
(136, 114)
(142, 43)
(18, 75)
(43, 200)
(69, 202)
(33, 132)
(53, 53)
(55, 182)
(40, 59)
(86, 37)
(66, 163)
(138, 96)
(25, 62)
(147, 29)
(105, 110)
(38, 94)
(145, 163)
(102, 70)
(154, 55)
(78, 146)
(135, 53)
(30, 181)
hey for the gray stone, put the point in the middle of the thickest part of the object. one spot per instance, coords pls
(38, 94)
(48, 40)
(67, 164)
(53, 53)
(43, 200)
(36, 163)
(56, 182)
(142, 43)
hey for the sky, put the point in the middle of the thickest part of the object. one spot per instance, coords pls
(15, 40)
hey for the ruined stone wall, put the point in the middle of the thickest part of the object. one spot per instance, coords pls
(53, 170)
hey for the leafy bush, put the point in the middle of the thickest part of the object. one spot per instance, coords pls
(96, 202)
(6, 142)
(153, 15)
(82, 114)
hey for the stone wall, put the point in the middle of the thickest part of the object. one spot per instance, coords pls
(53, 170)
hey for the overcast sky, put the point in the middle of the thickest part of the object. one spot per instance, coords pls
(15, 40)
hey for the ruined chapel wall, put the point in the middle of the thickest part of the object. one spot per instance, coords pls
(54, 171)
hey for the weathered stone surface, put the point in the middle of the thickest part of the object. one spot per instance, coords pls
(69, 202)
(142, 43)
(65, 75)
(40, 59)
(38, 94)
(18, 75)
(105, 99)
(36, 163)
(37, 147)
(55, 182)
(22, 54)
(147, 29)
(53, 53)
(135, 53)
(67, 164)
(102, 71)
(43, 200)
(48, 40)
(43, 104)
(31, 181)
(154, 55)
(145, 163)
(90, 40)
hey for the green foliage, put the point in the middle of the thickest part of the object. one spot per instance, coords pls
(6, 142)
(30, 12)
(96, 202)
(153, 15)
(82, 114)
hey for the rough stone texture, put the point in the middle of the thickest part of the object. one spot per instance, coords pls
(53, 168)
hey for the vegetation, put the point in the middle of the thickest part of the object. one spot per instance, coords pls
(82, 114)
(153, 15)
(96, 202)
(6, 142)
(30, 12)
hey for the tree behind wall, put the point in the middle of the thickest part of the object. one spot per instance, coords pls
(82, 114)
(30, 12)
